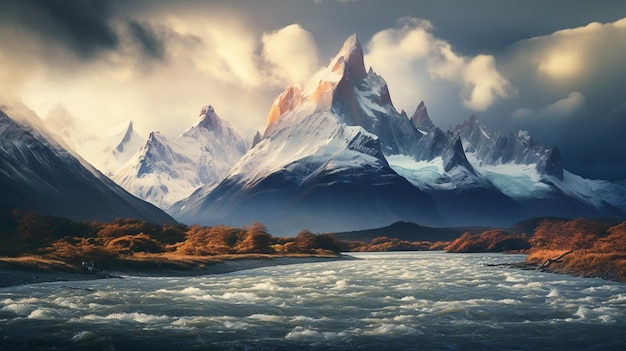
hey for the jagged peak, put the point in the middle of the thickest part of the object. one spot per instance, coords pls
(456, 157)
(350, 59)
(208, 118)
(257, 138)
(154, 137)
(420, 118)
(126, 138)
(552, 164)
(206, 109)
(286, 101)
(350, 45)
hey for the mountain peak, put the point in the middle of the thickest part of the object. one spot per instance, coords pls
(208, 118)
(284, 102)
(351, 44)
(421, 120)
(126, 138)
(350, 59)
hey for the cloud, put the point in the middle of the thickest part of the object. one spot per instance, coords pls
(164, 67)
(485, 83)
(411, 54)
(147, 38)
(82, 27)
(587, 59)
(560, 109)
(292, 54)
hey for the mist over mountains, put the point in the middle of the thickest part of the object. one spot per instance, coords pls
(336, 156)
(41, 174)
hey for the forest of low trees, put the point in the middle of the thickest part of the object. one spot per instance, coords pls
(598, 246)
(58, 238)
(587, 247)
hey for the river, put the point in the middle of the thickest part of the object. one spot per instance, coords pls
(383, 301)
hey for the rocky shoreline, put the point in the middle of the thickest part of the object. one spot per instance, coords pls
(15, 276)
(559, 269)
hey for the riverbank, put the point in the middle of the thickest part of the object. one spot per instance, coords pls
(30, 270)
(582, 263)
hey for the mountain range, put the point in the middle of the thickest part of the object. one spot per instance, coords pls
(165, 170)
(336, 155)
(40, 173)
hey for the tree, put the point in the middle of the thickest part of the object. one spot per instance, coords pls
(257, 240)
(305, 241)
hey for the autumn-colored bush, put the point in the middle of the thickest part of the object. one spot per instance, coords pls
(489, 241)
(615, 241)
(128, 244)
(307, 242)
(384, 243)
(598, 247)
(167, 234)
(576, 234)
(586, 263)
(217, 240)
(256, 240)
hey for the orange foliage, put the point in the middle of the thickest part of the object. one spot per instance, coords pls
(574, 234)
(128, 244)
(599, 248)
(384, 243)
(216, 240)
(490, 241)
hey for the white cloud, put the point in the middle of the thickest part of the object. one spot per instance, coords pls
(292, 54)
(221, 62)
(411, 55)
(485, 83)
(588, 59)
(560, 109)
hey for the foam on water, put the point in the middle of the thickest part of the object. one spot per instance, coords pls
(382, 301)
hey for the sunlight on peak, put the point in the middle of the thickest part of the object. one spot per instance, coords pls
(561, 64)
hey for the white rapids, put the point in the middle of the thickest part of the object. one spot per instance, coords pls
(400, 301)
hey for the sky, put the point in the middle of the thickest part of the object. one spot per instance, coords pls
(555, 68)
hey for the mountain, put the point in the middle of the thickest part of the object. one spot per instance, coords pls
(42, 174)
(166, 170)
(320, 164)
(410, 232)
(533, 175)
(493, 148)
(336, 155)
(106, 151)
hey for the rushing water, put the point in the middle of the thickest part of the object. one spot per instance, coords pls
(399, 301)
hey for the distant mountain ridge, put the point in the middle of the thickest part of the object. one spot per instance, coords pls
(107, 151)
(40, 174)
(166, 170)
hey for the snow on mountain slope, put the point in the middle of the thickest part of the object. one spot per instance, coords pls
(107, 151)
(493, 148)
(336, 155)
(317, 166)
(166, 170)
(39, 173)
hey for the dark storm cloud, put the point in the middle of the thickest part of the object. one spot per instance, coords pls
(148, 39)
(83, 27)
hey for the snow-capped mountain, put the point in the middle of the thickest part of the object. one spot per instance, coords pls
(336, 155)
(42, 174)
(107, 151)
(493, 148)
(166, 170)
(316, 166)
